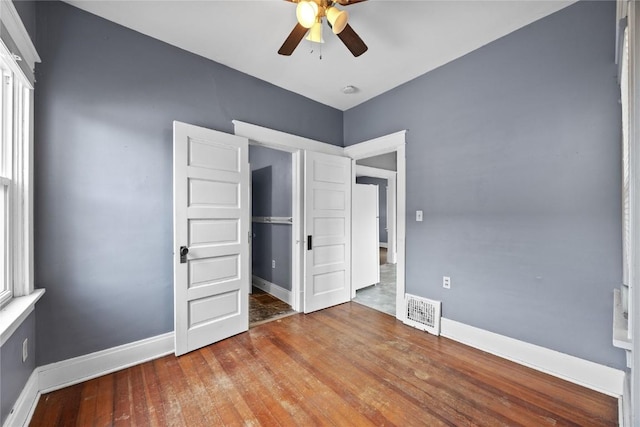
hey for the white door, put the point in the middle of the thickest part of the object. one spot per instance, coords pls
(365, 249)
(327, 207)
(211, 233)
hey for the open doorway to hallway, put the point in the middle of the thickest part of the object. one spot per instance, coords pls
(379, 172)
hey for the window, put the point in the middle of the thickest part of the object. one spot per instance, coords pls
(15, 116)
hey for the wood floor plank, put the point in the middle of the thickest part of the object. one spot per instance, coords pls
(347, 365)
(208, 379)
(104, 402)
(170, 403)
(153, 395)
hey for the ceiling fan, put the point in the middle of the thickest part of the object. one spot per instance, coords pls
(310, 14)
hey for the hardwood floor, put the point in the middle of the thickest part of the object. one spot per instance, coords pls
(345, 366)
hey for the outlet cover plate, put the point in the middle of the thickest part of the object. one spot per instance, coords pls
(446, 282)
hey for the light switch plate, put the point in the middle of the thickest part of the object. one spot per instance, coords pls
(418, 216)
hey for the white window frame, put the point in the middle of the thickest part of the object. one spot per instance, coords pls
(19, 185)
(16, 95)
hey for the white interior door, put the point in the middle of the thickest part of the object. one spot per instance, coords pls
(365, 249)
(211, 233)
(327, 207)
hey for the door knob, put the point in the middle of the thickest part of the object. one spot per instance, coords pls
(183, 254)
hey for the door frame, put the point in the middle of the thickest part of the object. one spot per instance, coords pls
(395, 142)
(296, 145)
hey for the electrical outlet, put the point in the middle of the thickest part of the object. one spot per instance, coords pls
(419, 216)
(273, 263)
(446, 282)
(25, 349)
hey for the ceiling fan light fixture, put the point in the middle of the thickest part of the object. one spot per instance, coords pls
(315, 33)
(307, 12)
(337, 18)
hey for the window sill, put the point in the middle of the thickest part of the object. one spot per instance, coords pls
(14, 313)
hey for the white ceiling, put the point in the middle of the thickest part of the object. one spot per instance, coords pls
(405, 38)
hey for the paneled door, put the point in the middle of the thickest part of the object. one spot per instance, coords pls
(327, 207)
(365, 249)
(211, 236)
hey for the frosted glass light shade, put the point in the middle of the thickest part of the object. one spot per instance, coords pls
(337, 18)
(306, 12)
(315, 33)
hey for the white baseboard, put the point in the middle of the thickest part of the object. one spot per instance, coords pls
(273, 289)
(384, 245)
(73, 371)
(624, 404)
(588, 374)
(23, 409)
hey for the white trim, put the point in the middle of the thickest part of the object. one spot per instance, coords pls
(588, 374)
(73, 371)
(283, 141)
(273, 289)
(14, 313)
(624, 403)
(383, 245)
(633, 22)
(24, 407)
(297, 248)
(373, 147)
(362, 170)
(620, 324)
(18, 33)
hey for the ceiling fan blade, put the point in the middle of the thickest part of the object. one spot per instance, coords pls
(293, 40)
(352, 41)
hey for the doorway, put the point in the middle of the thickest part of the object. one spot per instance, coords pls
(271, 296)
(381, 295)
(371, 156)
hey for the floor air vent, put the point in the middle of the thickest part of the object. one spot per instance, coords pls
(423, 314)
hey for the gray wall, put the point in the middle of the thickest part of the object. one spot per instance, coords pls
(271, 181)
(513, 154)
(27, 11)
(106, 97)
(382, 203)
(13, 372)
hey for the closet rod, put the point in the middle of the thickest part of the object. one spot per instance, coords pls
(273, 219)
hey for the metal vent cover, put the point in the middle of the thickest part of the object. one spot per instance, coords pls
(422, 313)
